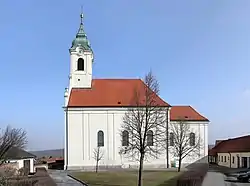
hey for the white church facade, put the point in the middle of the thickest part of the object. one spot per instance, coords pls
(94, 111)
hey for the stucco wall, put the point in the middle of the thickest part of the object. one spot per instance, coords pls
(201, 131)
(229, 159)
(82, 128)
(20, 163)
(80, 79)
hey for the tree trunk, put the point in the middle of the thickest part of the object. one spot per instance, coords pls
(179, 167)
(140, 170)
(96, 167)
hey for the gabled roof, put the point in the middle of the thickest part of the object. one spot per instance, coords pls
(15, 153)
(240, 144)
(110, 93)
(120, 93)
(186, 113)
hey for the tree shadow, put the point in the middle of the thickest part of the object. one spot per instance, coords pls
(196, 170)
(170, 182)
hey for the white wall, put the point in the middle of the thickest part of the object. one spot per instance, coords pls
(82, 136)
(80, 79)
(229, 159)
(83, 125)
(200, 129)
(21, 163)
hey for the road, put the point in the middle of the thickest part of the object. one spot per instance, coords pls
(219, 179)
(236, 184)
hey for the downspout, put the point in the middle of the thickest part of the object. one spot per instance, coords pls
(66, 99)
(167, 141)
(230, 159)
(66, 139)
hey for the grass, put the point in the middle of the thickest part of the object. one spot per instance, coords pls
(126, 178)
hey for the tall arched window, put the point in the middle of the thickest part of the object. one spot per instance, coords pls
(171, 139)
(125, 139)
(100, 138)
(192, 139)
(150, 141)
(80, 64)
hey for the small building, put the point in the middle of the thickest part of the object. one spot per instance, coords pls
(22, 158)
(233, 153)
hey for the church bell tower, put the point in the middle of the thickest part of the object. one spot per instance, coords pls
(81, 60)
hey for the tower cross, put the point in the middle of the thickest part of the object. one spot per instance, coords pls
(81, 16)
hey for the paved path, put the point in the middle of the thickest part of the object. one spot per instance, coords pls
(214, 178)
(62, 179)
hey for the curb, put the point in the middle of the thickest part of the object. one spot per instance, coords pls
(80, 181)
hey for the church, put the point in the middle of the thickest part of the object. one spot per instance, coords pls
(94, 111)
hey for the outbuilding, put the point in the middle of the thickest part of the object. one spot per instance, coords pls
(22, 158)
(233, 153)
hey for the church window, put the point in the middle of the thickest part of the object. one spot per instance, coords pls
(171, 139)
(80, 64)
(192, 139)
(125, 138)
(100, 138)
(150, 138)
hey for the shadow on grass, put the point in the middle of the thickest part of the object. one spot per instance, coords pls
(170, 182)
(195, 172)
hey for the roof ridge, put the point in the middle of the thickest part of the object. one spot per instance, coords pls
(181, 106)
(117, 79)
(237, 137)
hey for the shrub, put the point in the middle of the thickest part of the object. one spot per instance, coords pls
(194, 176)
(20, 182)
(11, 176)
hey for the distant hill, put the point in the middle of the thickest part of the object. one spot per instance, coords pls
(47, 153)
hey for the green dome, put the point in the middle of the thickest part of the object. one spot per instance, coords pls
(81, 39)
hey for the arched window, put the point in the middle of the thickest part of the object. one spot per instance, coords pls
(150, 138)
(192, 139)
(80, 64)
(100, 138)
(125, 140)
(171, 139)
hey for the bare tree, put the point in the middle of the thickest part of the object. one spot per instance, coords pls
(11, 138)
(143, 131)
(183, 142)
(98, 155)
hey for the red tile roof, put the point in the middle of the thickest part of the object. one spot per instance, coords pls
(110, 93)
(120, 93)
(212, 152)
(52, 160)
(187, 113)
(240, 144)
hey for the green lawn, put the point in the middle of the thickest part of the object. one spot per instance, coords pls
(126, 178)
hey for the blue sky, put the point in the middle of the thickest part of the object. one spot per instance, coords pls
(198, 50)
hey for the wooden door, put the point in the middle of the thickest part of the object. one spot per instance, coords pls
(26, 166)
